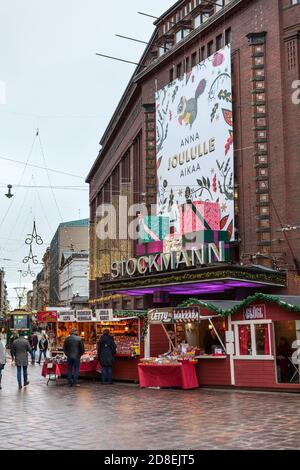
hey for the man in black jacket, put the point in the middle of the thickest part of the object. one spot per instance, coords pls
(73, 349)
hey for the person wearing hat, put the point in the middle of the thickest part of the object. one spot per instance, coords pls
(73, 349)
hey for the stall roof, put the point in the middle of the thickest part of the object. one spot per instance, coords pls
(223, 304)
(289, 299)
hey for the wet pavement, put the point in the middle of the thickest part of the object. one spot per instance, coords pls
(124, 417)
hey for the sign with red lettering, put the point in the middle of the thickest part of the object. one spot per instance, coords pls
(255, 312)
(47, 317)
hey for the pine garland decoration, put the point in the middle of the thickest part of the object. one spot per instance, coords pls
(232, 311)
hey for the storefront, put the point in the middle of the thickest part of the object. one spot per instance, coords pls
(127, 327)
(251, 344)
(267, 343)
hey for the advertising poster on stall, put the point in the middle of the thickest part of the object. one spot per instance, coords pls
(194, 134)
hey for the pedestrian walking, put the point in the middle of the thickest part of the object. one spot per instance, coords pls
(73, 349)
(34, 341)
(13, 337)
(106, 355)
(2, 361)
(43, 347)
(21, 348)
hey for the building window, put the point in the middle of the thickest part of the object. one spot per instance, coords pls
(295, 2)
(253, 339)
(205, 16)
(202, 53)
(186, 32)
(219, 42)
(228, 36)
(219, 5)
(171, 74)
(187, 64)
(291, 53)
(194, 59)
(179, 70)
(197, 21)
(178, 36)
(210, 48)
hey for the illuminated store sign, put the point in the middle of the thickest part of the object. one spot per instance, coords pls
(158, 263)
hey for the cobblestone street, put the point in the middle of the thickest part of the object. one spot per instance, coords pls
(125, 417)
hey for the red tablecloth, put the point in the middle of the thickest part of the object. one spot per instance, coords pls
(168, 376)
(62, 369)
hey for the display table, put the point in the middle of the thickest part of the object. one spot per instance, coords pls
(182, 375)
(58, 370)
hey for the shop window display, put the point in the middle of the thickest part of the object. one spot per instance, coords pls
(253, 340)
(126, 336)
(245, 340)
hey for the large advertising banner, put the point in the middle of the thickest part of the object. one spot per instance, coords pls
(194, 132)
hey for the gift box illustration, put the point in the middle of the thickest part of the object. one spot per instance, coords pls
(199, 216)
(205, 237)
(154, 229)
(173, 243)
(144, 249)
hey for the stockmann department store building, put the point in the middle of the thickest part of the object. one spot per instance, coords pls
(197, 135)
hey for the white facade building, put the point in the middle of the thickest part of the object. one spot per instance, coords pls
(73, 276)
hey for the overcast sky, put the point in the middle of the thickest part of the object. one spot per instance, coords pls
(56, 83)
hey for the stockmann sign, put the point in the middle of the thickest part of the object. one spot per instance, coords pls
(162, 262)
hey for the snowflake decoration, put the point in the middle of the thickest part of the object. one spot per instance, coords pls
(223, 207)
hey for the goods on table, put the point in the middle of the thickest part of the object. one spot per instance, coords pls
(89, 356)
(127, 345)
(173, 358)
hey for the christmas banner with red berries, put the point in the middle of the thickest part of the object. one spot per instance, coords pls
(194, 133)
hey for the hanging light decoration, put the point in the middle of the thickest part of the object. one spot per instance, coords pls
(9, 194)
(28, 272)
(30, 257)
(34, 237)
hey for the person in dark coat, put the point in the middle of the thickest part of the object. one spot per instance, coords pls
(284, 353)
(43, 347)
(34, 341)
(11, 341)
(106, 352)
(21, 348)
(210, 341)
(2, 361)
(73, 349)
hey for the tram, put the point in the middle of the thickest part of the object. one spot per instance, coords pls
(20, 320)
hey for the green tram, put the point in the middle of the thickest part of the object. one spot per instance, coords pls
(20, 320)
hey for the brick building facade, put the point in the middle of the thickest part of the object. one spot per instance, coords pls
(265, 40)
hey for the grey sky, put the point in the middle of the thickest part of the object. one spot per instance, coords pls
(55, 82)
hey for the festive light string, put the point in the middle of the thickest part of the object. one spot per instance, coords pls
(41, 167)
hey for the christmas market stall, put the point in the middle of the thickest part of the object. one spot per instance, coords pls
(262, 343)
(179, 338)
(128, 330)
(84, 322)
